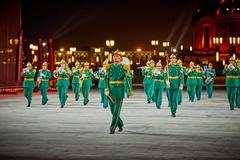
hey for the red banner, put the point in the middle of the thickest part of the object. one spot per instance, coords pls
(20, 57)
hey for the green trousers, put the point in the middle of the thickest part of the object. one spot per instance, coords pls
(76, 90)
(179, 98)
(62, 94)
(168, 98)
(238, 98)
(173, 93)
(198, 91)
(148, 91)
(209, 88)
(115, 110)
(158, 97)
(44, 95)
(104, 99)
(27, 91)
(85, 93)
(191, 92)
(231, 93)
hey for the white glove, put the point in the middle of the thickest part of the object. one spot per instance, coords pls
(84, 75)
(42, 75)
(181, 87)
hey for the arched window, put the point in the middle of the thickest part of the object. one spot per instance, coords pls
(206, 36)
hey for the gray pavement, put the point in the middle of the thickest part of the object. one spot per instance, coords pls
(205, 129)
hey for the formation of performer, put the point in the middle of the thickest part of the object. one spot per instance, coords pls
(76, 74)
(28, 84)
(101, 75)
(209, 74)
(86, 82)
(174, 82)
(62, 74)
(232, 77)
(114, 89)
(159, 84)
(43, 77)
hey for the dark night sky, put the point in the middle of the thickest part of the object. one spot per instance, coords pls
(131, 24)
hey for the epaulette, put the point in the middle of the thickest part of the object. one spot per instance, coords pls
(91, 70)
(108, 66)
(34, 70)
(69, 70)
(126, 67)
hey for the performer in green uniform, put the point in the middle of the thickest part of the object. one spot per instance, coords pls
(174, 82)
(209, 74)
(127, 90)
(101, 75)
(44, 75)
(184, 72)
(87, 75)
(76, 74)
(116, 73)
(159, 84)
(191, 82)
(28, 84)
(62, 74)
(238, 88)
(147, 72)
(199, 77)
(231, 72)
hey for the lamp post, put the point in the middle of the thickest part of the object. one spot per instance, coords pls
(217, 41)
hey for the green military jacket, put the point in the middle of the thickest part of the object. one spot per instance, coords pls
(175, 76)
(28, 78)
(87, 81)
(44, 75)
(231, 76)
(191, 78)
(76, 74)
(116, 74)
(148, 75)
(63, 75)
(199, 76)
(101, 74)
(210, 73)
(159, 79)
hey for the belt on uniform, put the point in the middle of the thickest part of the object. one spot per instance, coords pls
(86, 78)
(158, 80)
(173, 77)
(232, 76)
(116, 82)
(198, 77)
(75, 76)
(147, 77)
(101, 78)
(192, 77)
(63, 78)
(44, 79)
(28, 79)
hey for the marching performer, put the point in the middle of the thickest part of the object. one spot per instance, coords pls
(199, 76)
(231, 72)
(147, 72)
(87, 75)
(159, 84)
(28, 84)
(101, 75)
(209, 74)
(62, 74)
(238, 88)
(44, 75)
(184, 72)
(174, 82)
(114, 89)
(76, 73)
(191, 81)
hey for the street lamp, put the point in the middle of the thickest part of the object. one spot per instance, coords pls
(155, 44)
(110, 43)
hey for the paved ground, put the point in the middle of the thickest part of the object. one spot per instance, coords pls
(205, 129)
